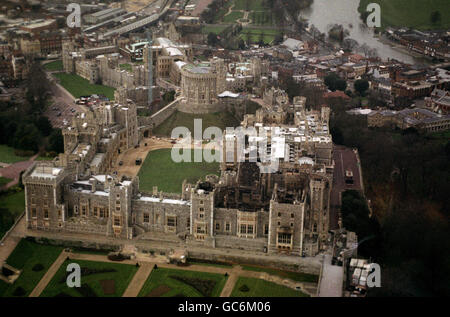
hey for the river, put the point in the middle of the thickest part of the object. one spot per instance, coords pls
(324, 13)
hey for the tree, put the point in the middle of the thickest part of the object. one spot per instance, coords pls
(435, 17)
(212, 39)
(361, 85)
(38, 87)
(44, 125)
(56, 141)
(27, 137)
(333, 82)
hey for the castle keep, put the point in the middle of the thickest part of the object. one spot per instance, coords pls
(245, 208)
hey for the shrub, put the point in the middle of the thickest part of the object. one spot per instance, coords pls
(38, 267)
(244, 288)
(19, 291)
(205, 287)
(118, 257)
(86, 291)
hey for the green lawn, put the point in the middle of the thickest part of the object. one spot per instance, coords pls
(411, 13)
(121, 274)
(79, 86)
(160, 170)
(14, 204)
(233, 17)
(250, 5)
(4, 181)
(54, 66)
(213, 29)
(7, 155)
(25, 256)
(260, 288)
(221, 120)
(295, 276)
(161, 278)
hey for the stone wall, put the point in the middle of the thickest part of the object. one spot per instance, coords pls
(160, 116)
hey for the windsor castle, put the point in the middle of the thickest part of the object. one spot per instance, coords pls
(286, 211)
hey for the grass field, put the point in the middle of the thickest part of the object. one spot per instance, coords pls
(79, 86)
(7, 155)
(54, 66)
(411, 13)
(161, 277)
(121, 274)
(160, 170)
(25, 256)
(260, 288)
(221, 120)
(295, 276)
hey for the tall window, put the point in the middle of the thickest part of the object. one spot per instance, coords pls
(284, 238)
(171, 221)
(146, 217)
(33, 212)
(117, 221)
(46, 213)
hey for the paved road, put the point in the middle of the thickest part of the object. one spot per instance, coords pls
(344, 159)
(332, 279)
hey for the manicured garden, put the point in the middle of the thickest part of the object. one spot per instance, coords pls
(160, 170)
(7, 155)
(253, 287)
(98, 279)
(175, 283)
(34, 259)
(79, 86)
(295, 276)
